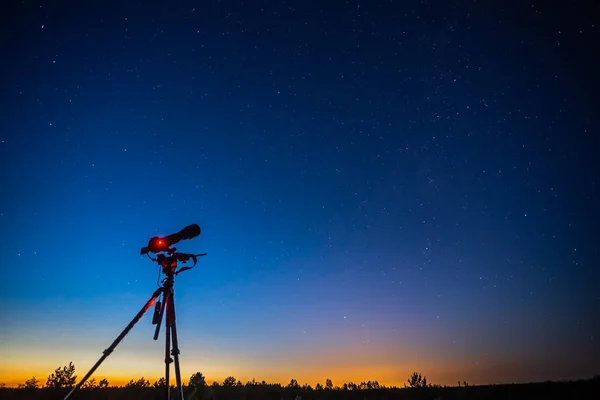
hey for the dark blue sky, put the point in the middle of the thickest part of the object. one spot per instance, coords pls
(382, 188)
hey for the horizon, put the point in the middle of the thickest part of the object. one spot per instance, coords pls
(381, 188)
(390, 376)
(122, 381)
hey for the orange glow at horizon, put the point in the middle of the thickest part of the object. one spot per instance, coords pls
(385, 375)
(332, 356)
(388, 375)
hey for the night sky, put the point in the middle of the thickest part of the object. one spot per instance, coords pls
(383, 187)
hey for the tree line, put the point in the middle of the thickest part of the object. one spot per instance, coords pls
(416, 387)
(65, 378)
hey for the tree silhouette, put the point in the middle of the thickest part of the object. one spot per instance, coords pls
(417, 381)
(103, 383)
(161, 382)
(197, 381)
(32, 383)
(328, 384)
(90, 384)
(62, 377)
(229, 381)
(140, 383)
(293, 384)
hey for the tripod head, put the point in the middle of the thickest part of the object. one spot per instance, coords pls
(168, 262)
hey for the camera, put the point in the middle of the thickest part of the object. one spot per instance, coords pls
(160, 244)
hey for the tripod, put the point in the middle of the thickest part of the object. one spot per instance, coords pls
(169, 268)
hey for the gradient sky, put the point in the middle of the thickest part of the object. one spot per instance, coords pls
(383, 187)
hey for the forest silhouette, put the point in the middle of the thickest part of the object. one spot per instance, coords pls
(63, 379)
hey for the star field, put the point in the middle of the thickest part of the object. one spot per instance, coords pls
(382, 188)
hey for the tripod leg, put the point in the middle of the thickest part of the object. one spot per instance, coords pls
(160, 317)
(110, 349)
(175, 350)
(168, 360)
